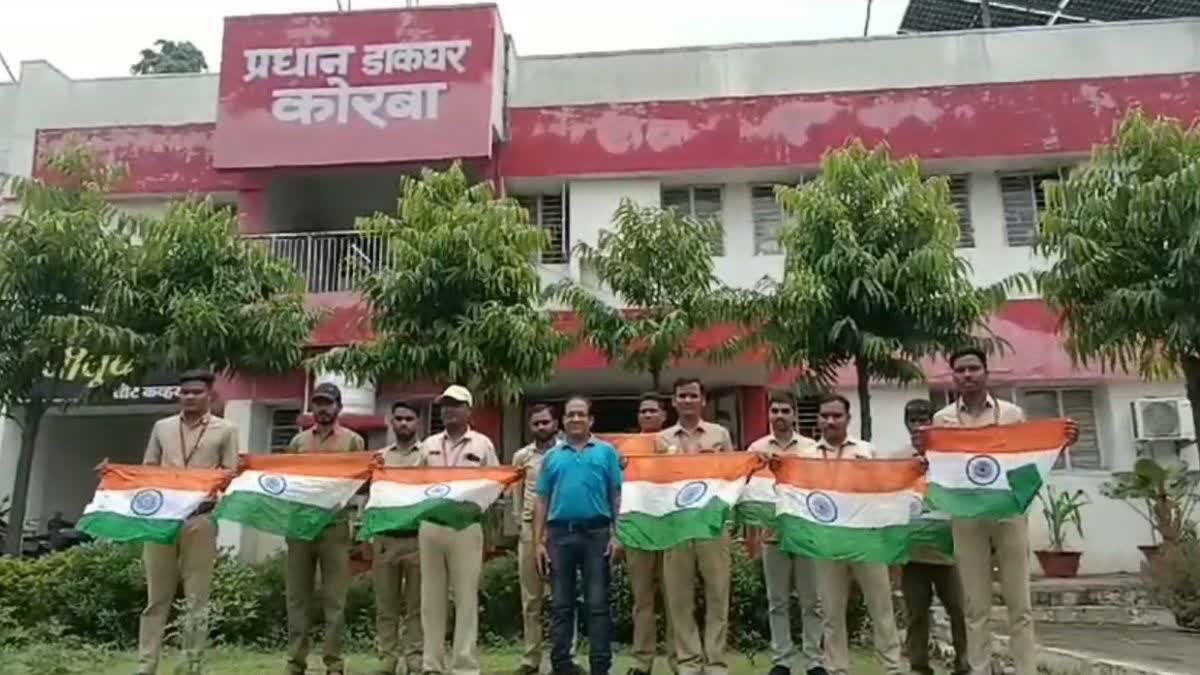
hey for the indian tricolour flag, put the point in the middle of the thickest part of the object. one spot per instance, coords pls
(669, 499)
(848, 509)
(756, 506)
(147, 503)
(296, 495)
(991, 472)
(632, 444)
(401, 498)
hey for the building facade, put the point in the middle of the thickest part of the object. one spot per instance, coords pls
(314, 118)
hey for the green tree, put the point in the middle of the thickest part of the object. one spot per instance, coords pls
(1123, 232)
(459, 298)
(170, 56)
(657, 264)
(172, 293)
(871, 278)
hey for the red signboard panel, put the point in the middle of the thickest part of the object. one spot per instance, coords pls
(358, 88)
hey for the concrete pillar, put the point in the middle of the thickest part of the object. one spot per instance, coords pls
(10, 450)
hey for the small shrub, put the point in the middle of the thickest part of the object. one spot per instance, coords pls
(1175, 582)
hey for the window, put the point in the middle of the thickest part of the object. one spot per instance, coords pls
(807, 409)
(1023, 197)
(961, 199)
(1076, 404)
(549, 212)
(701, 203)
(285, 423)
(768, 219)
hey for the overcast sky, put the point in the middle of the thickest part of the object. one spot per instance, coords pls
(102, 38)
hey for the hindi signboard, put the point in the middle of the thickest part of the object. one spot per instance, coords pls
(105, 381)
(384, 86)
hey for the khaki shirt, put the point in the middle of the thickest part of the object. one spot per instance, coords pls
(339, 439)
(394, 456)
(706, 437)
(995, 411)
(528, 458)
(851, 448)
(211, 443)
(473, 449)
(769, 446)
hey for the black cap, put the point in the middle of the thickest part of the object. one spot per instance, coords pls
(327, 390)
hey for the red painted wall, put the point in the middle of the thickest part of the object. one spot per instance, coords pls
(753, 402)
(157, 159)
(983, 120)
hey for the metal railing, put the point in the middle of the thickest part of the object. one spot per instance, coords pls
(330, 261)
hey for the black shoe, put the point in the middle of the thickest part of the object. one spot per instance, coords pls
(635, 671)
(526, 670)
(819, 670)
(780, 670)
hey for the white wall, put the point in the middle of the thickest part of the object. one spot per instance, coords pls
(907, 61)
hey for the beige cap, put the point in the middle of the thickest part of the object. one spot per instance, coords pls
(457, 392)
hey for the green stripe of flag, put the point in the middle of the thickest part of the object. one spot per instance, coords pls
(446, 512)
(973, 503)
(645, 532)
(116, 527)
(754, 514)
(274, 515)
(802, 537)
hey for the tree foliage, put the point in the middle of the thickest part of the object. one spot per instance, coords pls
(658, 265)
(170, 56)
(871, 278)
(1124, 234)
(459, 298)
(178, 292)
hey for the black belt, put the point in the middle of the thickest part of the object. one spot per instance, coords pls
(579, 525)
(204, 508)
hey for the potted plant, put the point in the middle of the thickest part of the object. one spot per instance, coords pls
(1167, 495)
(1061, 509)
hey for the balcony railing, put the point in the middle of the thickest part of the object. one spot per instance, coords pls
(331, 262)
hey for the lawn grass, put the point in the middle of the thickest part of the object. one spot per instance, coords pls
(223, 661)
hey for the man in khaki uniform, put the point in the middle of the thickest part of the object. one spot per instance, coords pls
(974, 539)
(645, 568)
(193, 439)
(709, 557)
(783, 572)
(396, 564)
(833, 576)
(453, 559)
(930, 570)
(544, 427)
(330, 552)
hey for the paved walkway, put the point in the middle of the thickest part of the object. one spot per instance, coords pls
(1154, 648)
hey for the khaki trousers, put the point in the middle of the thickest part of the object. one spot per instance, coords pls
(396, 574)
(451, 561)
(973, 543)
(645, 569)
(190, 559)
(331, 553)
(710, 558)
(784, 574)
(833, 578)
(533, 599)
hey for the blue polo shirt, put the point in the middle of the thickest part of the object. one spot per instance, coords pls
(579, 484)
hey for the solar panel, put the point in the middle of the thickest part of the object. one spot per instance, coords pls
(942, 15)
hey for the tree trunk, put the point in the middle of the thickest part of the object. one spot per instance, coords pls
(864, 400)
(656, 380)
(35, 410)
(1191, 376)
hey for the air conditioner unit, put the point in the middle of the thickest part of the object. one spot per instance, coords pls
(1163, 419)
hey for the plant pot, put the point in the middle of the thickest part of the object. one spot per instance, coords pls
(1059, 564)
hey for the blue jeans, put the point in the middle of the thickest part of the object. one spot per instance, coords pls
(582, 552)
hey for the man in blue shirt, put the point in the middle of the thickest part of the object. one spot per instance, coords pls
(574, 520)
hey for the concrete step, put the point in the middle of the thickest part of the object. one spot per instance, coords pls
(1124, 590)
(1096, 615)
